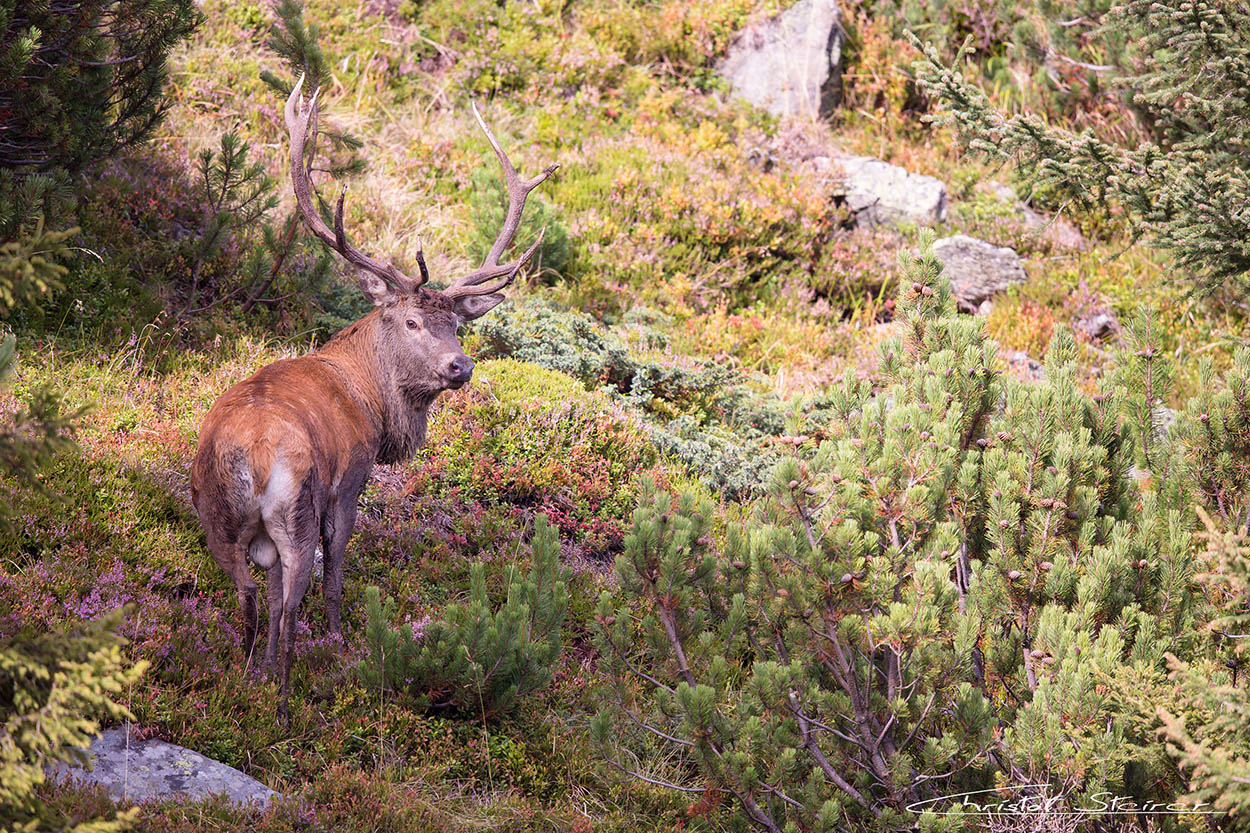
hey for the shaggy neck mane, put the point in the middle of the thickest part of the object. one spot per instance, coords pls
(398, 413)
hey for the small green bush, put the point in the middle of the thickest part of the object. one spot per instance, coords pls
(477, 658)
(537, 441)
(54, 689)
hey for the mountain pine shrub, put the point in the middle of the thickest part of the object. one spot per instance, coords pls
(80, 80)
(54, 689)
(1187, 189)
(38, 427)
(1207, 726)
(957, 590)
(477, 658)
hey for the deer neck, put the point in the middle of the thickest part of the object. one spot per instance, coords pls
(399, 414)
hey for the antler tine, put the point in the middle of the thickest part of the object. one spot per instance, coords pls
(514, 268)
(299, 118)
(425, 273)
(518, 190)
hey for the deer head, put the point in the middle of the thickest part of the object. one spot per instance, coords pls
(418, 324)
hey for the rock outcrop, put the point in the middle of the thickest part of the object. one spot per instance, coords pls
(879, 193)
(152, 769)
(876, 192)
(976, 269)
(790, 65)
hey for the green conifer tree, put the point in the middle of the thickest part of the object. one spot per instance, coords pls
(80, 80)
(951, 593)
(1186, 190)
(39, 428)
(54, 688)
(1207, 727)
(477, 657)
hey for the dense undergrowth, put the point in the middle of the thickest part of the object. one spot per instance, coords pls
(701, 310)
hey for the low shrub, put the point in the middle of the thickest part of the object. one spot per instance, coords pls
(55, 687)
(692, 222)
(536, 439)
(954, 592)
(476, 658)
(702, 414)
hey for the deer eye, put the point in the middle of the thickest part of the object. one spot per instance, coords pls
(412, 325)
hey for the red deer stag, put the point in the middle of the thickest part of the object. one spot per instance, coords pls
(284, 455)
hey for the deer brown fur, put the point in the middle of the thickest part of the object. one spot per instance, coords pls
(284, 455)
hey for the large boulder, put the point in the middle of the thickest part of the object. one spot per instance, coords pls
(879, 193)
(147, 770)
(790, 64)
(977, 269)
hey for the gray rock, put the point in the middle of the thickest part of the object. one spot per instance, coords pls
(1024, 366)
(977, 269)
(1098, 326)
(880, 193)
(1061, 233)
(790, 64)
(153, 769)
(1055, 229)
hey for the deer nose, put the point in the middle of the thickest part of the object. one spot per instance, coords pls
(460, 369)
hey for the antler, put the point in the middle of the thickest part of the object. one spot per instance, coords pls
(376, 279)
(518, 189)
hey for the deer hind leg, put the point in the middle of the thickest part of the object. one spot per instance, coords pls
(294, 531)
(336, 530)
(264, 554)
(232, 558)
(273, 590)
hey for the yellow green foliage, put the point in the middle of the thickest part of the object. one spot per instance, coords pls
(54, 688)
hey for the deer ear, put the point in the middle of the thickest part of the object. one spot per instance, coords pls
(375, 289)
(469, 307)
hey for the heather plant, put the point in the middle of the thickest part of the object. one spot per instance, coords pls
(1184, 190)
(54, 689)
(533, 439)
(476, 658)
(929, 601)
